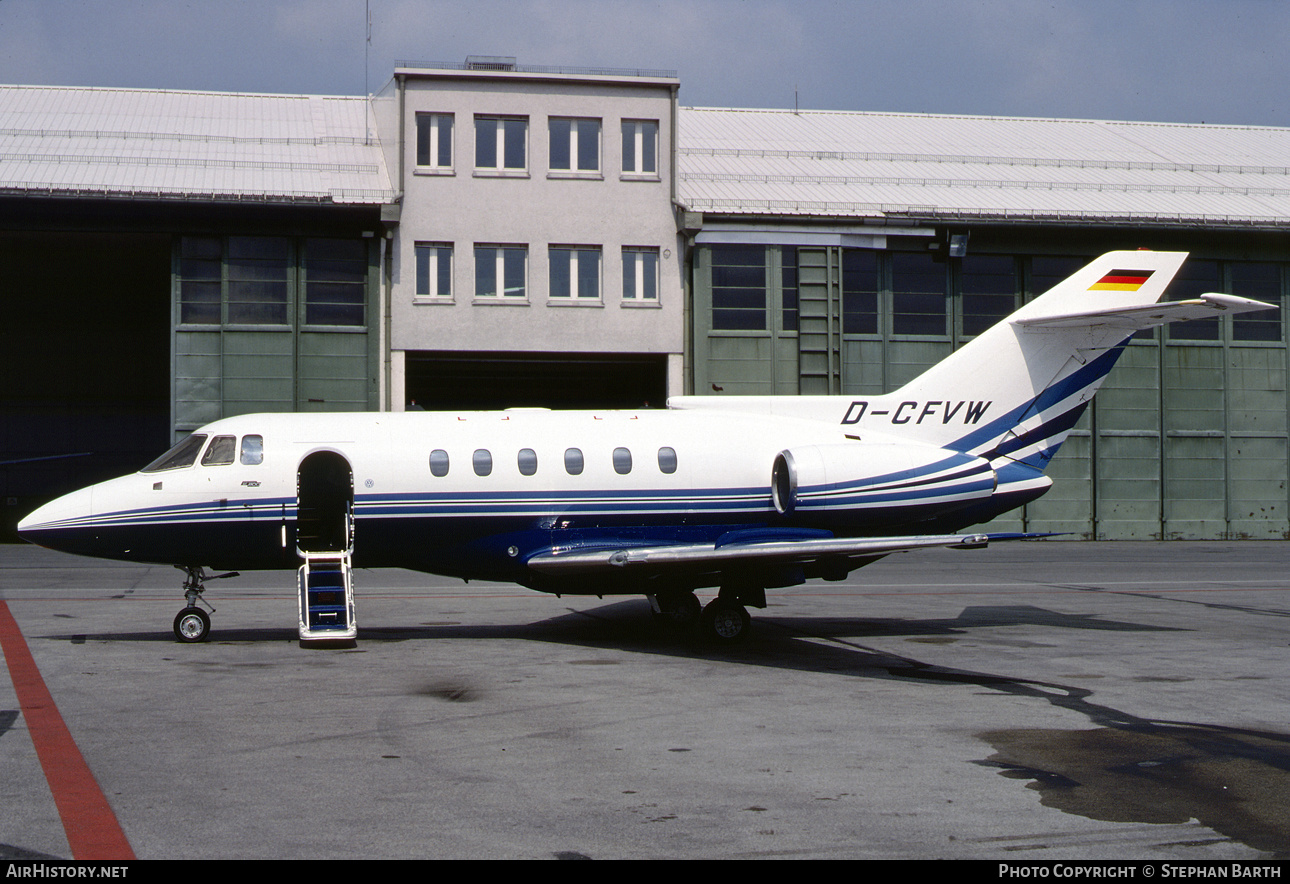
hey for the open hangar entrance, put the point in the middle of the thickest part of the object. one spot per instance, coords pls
(85, 350)
(486, 381)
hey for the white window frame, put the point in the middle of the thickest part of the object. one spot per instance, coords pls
(434, 166)
(436, 253)
(498, 167)
(498, 256)
(636, 133)
(634, 273)
(573, 170)
(577, 254)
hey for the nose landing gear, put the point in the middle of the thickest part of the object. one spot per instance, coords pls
(192, 624)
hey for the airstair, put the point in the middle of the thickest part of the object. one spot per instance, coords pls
(326, 583)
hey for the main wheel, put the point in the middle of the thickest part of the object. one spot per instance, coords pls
(725, 622)
(192, 625)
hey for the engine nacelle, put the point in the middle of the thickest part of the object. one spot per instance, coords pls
(878, 480)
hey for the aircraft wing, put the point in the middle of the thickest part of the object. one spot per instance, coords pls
(711, 557)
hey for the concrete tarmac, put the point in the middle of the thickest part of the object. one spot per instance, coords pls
(1033, 701)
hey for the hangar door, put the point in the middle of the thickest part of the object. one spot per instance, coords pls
(483, 381)
(85, 355)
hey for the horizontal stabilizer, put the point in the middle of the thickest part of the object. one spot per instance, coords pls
(1149, 315)
(708, 556)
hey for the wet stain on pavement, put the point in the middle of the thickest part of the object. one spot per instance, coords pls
(1236, 782)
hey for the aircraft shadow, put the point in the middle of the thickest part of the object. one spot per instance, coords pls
(627, 625)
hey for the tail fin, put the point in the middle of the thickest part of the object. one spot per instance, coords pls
(1015, 391)
(1026, 381)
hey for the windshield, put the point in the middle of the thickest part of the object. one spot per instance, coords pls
(182, 455)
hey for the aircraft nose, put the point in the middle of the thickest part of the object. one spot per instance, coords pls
(59, 520)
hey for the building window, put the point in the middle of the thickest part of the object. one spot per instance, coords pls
(640, 147)
(1262, 282)
(575, 145)
(259, 268)
(434, 270)
(739, 287)
(575, 272)
(272, 281)
(501, 144)
(200, 286)
(501, 271)
(788, 287)
(640, 274)
(1193, 280)
(434, 141)
(859, 292)
(988, 285)
(335, 281)
(917, 295)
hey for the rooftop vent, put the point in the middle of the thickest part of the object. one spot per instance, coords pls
(490, 63)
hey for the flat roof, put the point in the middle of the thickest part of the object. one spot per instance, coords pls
(501, 67)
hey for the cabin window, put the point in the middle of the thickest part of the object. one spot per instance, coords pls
(528, 461)
(182, 455)
(220, 452)
(622, 461)
(252, 450)
(439, 463)
(667, 460)
(573, 461)
(482, 461)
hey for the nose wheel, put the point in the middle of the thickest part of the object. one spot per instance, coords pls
(192, 624)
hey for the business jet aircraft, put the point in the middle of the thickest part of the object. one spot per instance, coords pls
(739, 493)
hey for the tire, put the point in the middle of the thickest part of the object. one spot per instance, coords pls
(192, 625)
(726, 623)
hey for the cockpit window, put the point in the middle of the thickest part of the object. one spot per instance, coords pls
(182, 455)
(252, 450)
(220, 452)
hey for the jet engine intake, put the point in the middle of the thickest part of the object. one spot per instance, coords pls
(877, 478)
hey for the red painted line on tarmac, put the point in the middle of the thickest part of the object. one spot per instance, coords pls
(92, 828)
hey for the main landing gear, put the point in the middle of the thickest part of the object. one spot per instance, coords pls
(722, 621)
(192, 624)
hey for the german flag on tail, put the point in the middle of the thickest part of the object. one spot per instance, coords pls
(1122, 281)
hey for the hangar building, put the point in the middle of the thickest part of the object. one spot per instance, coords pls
(488, 235)
(844, 252)
(173, 257)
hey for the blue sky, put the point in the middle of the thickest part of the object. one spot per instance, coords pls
(1215, 61)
